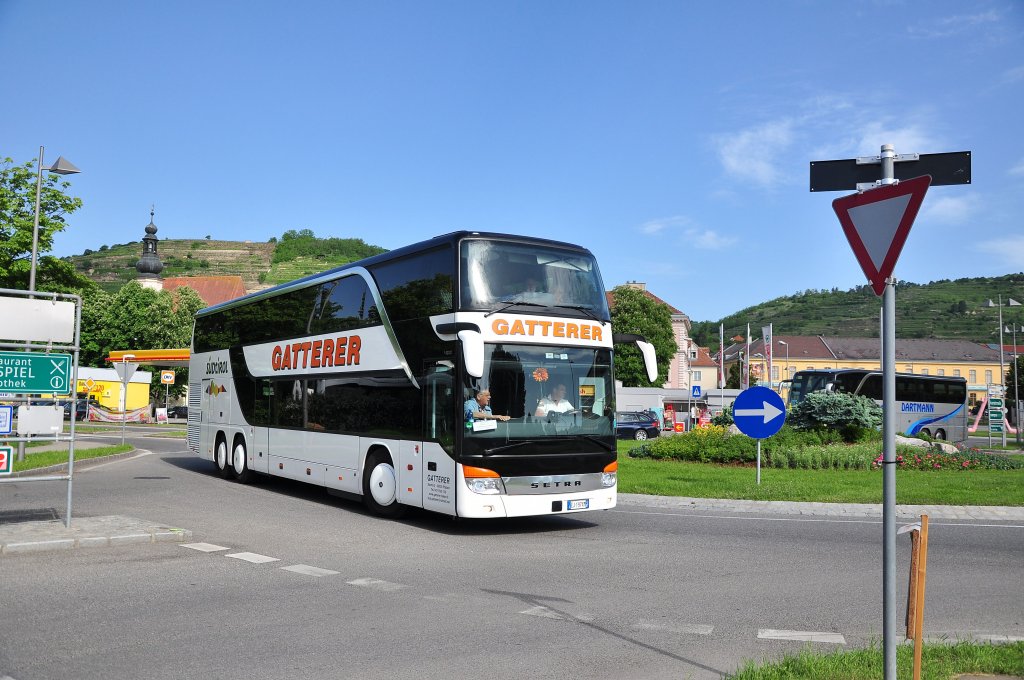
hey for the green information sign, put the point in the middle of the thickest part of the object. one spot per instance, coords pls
(35, 373)
(6, 460)
(996, 415)
(995, 428)
(995, 403)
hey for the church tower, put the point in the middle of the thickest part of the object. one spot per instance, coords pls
(150, 266)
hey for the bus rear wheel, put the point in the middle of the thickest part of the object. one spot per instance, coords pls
(940, 435)
(240, 463)
(221, 457)
(380, 486)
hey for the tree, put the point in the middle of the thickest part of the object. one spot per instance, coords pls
(853, 415)
(635, 312)
(138, 318)
(17, 215)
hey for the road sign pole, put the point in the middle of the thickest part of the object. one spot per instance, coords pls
(889, 452)
(759, 462)
(889, 480)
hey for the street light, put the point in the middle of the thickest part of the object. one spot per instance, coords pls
(1016, 380)
(1010, 302)
(786, 345)
(60, 167)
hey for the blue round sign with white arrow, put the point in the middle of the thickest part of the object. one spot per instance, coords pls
(759, 412)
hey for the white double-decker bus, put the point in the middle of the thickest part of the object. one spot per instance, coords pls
(362, 380)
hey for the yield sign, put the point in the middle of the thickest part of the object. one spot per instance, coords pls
(877, 223)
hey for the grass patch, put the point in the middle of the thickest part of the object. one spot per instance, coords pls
(938, 662)
(47, 458)
(913, 487)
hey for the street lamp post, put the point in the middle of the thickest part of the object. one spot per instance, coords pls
(786, 345)
(60, 167)
(1010, 302)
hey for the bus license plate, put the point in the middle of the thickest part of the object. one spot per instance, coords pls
(581, 504)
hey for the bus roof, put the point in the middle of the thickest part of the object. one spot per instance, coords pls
(451, 238)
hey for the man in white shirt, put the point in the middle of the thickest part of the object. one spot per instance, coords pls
(555, 402)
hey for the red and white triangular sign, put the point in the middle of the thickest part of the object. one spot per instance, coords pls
(877, 223)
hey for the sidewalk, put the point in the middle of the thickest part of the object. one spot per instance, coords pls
(989, 513)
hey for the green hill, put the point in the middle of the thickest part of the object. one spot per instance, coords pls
(260, 265)
(940, 309)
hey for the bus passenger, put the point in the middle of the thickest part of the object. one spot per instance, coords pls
(479, 408)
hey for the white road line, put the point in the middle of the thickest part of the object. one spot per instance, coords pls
(375, 584)
(800, 636)
(307, 570)
(201, 547)
(953, 638)
(255, 558)
(680, 628)
(544, 613)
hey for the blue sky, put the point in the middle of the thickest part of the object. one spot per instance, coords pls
(671, 138)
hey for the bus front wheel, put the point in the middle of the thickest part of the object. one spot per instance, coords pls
(940, 435)
(221, 457)
(380, 486)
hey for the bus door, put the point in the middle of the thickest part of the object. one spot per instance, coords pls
(437, 465)
(260, 446)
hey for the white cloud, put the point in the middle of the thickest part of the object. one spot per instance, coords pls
(660, 224)
(946, 27)
(949, 209)
(905, 139)
(755, 154)
(707, 239)
(1013, 75)
(1018, 169)
(1009, 250)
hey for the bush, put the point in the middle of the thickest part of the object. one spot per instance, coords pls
(724, 418)
(854, 417)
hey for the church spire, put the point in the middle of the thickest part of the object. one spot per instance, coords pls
(150, 266)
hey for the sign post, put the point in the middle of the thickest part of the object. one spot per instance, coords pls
(167, 378)
(876, 222)
(756, 413)
(125, 370)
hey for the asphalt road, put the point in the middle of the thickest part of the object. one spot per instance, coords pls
(629, 593)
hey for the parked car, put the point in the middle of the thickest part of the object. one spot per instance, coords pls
(638, 425)
(178, 412)
(81, 410)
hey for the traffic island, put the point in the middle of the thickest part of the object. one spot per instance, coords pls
(85, 532)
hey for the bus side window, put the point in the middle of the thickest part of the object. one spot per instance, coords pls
(872, 388)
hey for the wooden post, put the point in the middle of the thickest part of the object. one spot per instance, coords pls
(915, 548)
(922, 568)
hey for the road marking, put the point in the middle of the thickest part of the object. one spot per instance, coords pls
(681, 628)
(800, 636)
(204, 547)
(255, 558)
(375, 584)
(544, 613)
(307, 570)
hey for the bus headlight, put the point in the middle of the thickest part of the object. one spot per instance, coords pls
(482, 480)
(610, 475)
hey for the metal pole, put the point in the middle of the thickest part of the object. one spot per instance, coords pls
(1016, 379)
(124, 399)
(35, 226)
(1002, 371)
(74, 406)
(889, 453)
(759, 462)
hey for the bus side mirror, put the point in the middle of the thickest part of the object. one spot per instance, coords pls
(473, 352)
(650, 360)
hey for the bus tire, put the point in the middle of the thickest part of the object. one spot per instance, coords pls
(240, 462)
(926, 432)
(220, 457)
(380, 486)
(940, 435)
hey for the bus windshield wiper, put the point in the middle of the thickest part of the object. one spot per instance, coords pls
(498, 449)
(580, 308)
(513, 303)
(604, 445)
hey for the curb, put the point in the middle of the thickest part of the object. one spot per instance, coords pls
(87, 532)
(87, 462)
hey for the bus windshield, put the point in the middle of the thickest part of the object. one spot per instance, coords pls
(805, 382)
(503, 272)
(549, 393)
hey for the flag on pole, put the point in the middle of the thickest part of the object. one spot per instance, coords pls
(766, 332)
(745, 378)
(721, 356)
